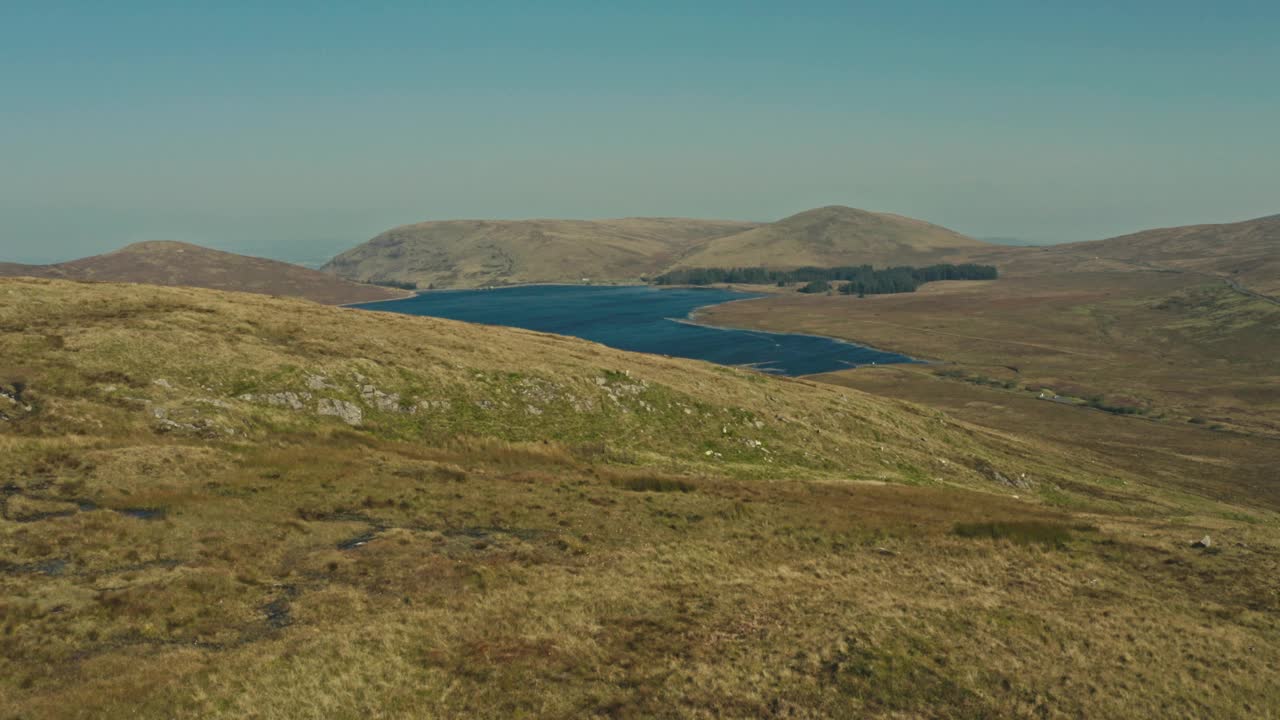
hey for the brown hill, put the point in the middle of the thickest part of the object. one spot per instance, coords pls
(835, 235)
(176, 263)
(219, 505)
(20, 270)
(1247, 252)
(471, 253)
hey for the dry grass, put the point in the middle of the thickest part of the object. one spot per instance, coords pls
(834, 236)
(472, 560)
(175, 263)
(476, 253)
(1169, 346)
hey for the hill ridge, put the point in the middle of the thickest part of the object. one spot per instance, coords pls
(177, 263)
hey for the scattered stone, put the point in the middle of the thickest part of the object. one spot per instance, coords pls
(1019, 482)
(290, 400)
(386, 402)
(429, 405)
(530, 409)
(162, 383)
(886, 551)
(317, 382)
(201, 427)
(1203, 542)
(349, 413)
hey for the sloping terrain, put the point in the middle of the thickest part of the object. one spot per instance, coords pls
(1178, 347)
(475, 253)
(223, 505)
(835, 236)
(20, 270)
(1247, 253)
(175, 263)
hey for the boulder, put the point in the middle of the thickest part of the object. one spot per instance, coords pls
(349, 413)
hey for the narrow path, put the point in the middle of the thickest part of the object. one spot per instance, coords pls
(1235, 285)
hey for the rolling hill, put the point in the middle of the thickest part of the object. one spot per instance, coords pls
(222, 505)
(1248, 251)
(832, 236)
(475, 253)
(176, 263)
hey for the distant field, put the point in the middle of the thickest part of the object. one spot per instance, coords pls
(1175, 347)
(221, 505)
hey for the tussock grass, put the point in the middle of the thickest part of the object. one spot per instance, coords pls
(650, 482)
(1021, 531)
(406, 568)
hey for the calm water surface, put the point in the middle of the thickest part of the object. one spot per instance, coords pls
(641, 319)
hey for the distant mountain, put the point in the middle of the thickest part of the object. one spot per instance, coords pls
(472, 253)
(176, 263)
(1247, 251)
(835, 235)
(1012, 241)
(18, 269)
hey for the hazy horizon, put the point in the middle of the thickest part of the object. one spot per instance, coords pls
(295, 132)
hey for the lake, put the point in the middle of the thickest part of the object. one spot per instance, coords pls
(641, 319)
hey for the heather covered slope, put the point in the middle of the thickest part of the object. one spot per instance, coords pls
(835, 236)
(1247, 251)
(223, 505)
(175, 263)
(474, 253)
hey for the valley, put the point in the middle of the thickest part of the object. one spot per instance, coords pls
(183, 264)
(229, 504)
(639, 361)
(222, 505)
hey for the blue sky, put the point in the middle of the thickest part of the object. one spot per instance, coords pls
(295, 129)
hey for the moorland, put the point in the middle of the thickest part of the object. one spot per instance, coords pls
(223, 504)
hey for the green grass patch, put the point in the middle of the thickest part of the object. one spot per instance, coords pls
(1021, 531)
(653, 483)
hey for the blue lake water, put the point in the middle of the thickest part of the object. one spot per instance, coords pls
(641, 319)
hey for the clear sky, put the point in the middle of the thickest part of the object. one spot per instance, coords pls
(297, 129)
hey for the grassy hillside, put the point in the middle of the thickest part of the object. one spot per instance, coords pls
(1166, 346)
(473, 253)
(20, 270)
(834, 236)
(175, 263)
(1247, 253)
(221, 505)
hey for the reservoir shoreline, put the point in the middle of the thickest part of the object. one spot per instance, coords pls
(644, 318)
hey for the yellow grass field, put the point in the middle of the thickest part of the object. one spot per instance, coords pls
(521, 525)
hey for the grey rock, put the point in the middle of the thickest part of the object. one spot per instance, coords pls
(317, 382)
(1204, 542)
(350, 413)
(290, 400)
(431, 405)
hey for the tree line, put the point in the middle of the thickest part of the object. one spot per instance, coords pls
(849, 279)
